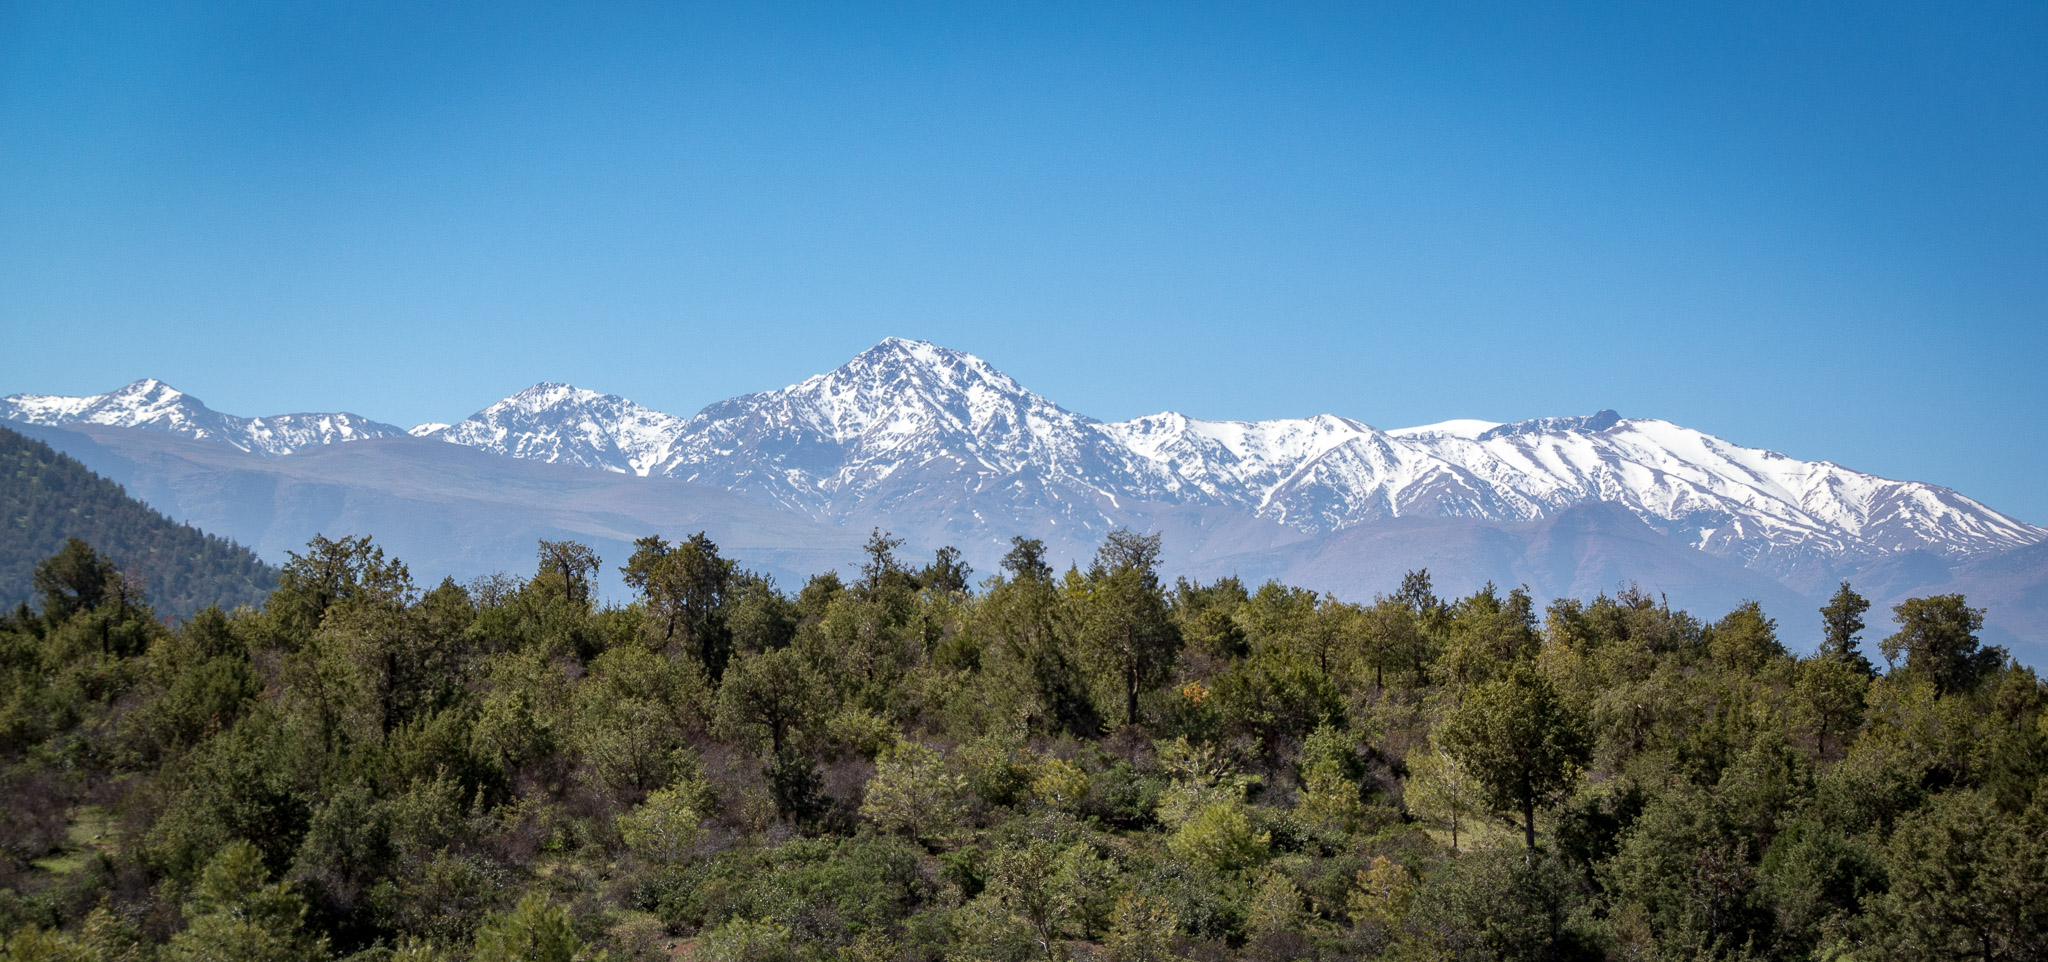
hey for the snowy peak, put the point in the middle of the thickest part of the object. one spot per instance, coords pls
(1468, 428)
(1589, 424)
(151, 404)
(1236, 461)
(899, 386)
(567, 424)
(900, 409)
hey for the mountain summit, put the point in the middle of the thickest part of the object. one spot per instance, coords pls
(921, 437)
(151, 404)
(903, 413)
(566, 424)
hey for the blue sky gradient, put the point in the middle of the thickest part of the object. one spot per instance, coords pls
(1820, 228)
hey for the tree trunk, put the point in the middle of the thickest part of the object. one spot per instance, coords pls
(1131, 700)
(1529, 825)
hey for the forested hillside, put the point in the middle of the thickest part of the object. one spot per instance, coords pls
(47, 498)
(918, 764)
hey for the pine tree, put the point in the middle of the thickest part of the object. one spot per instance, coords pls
(1842, 622)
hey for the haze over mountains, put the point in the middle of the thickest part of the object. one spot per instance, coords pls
(942, 447)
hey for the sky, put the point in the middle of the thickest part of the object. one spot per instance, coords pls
(1820, 228)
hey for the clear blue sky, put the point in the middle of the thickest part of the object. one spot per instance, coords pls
(1821, 228)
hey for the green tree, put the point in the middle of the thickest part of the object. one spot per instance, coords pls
(1827, 700)
(1379, 902)
(1143, 930)
(1842, 626)
(912, 793)
(533, 931)
(1690, 871)
(1028, 884)
(1390, 639)
(1966, 882)
(236, 914)
(1745, 640)
(947, 574)
(665, 828)
(687, 588)
(1126, 625)
(1029, 628)
(340, 572)
(1221, 836)
(566, 569)
(1330, 793)
(1488, 633)
(1938, 637)
(882, 573)
(76, 578)
(1498, 905)
(776, 691)
(759, 616)
(1521, 741)
(1441, 791)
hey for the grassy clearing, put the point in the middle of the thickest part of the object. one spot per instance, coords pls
(89, 832)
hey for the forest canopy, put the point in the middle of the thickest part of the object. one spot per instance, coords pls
(917, 764)
(48, 499)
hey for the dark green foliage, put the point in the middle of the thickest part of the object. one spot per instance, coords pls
(47, 499)
(1503, 905)
(1041, 768)
(1966, 881)
(1125, 625)
(687, 590)
(1842, 624)
(1938, 638)
(1522, 742)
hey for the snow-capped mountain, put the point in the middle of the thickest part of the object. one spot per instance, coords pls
(901, 416)
(910, 433)
(569, 425)
(153, 405)
(909, 423)
(1759, 507)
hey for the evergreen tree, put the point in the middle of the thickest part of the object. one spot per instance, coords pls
(566, 568)
(48, 499)
(1938, 637)
(687, 589)
(1521, 741)
(1842, 626)
(1126, 624)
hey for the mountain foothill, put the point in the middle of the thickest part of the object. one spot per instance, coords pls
(49, 501)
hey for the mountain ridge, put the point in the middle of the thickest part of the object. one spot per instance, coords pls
(908, 426)
(150, 403)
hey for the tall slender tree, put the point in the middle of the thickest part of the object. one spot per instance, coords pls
(1127, 626)
(1842, 625)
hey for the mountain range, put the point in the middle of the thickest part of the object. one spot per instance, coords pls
(941, 447)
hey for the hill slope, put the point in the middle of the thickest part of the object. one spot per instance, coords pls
(47, 497)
